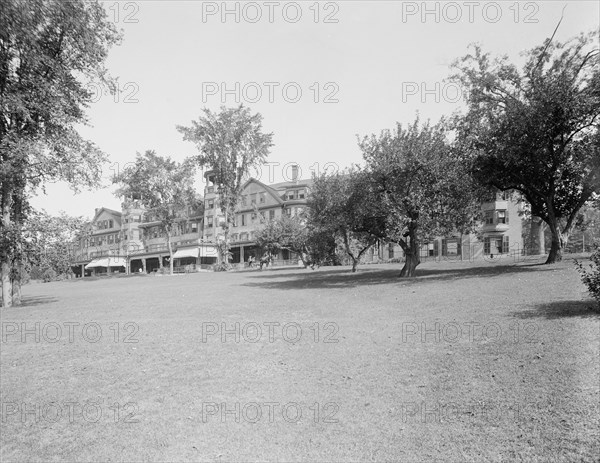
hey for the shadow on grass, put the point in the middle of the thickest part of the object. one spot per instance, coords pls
(36, 300)
(341, 277)
(561, 309)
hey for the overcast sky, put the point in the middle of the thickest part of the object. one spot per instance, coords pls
(319, 73)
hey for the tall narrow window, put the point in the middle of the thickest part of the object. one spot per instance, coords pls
(486, 246)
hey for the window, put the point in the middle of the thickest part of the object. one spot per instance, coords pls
(194, 227)
(489, 217)
(495, 245)
(505, 244)
(209, 221)
(243, 220)
(301, 194)
(210, 204)
(288, 211)
(261, 198)
(502, 218)
(110, 239)
(125, 237)
(253, 216)
(262, 215)
(244, 200)
(504, 195)
(110, 224)
(271, 214)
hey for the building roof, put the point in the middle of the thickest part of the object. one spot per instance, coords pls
(105, 209)
(286, 185)
(267, 188)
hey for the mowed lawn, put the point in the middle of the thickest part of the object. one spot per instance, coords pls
(468, 362)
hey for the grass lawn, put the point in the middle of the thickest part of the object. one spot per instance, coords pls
(467, 362)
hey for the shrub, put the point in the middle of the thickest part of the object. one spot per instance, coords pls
(222, 267)
(49, 275)
(591, 278)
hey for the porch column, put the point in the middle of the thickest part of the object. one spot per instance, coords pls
(242, 255)
(82, 270)
(144, 264)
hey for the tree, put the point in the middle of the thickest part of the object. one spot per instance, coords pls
(314, 246)
(164, 187)
(49, 51)
(338, 203)
(52, 239)
(231, 143)
(537, 131)
(419, 188)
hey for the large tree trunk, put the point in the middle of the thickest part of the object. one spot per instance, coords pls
(170, 246)
(559, 243)
(349, 252)
(5, 258)
(559, 239)
(6, 284)
(412, 258)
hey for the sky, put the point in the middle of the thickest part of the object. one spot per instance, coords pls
(319, 73)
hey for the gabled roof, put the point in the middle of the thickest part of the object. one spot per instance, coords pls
(287, 185)
(267, 188)
(105, 209)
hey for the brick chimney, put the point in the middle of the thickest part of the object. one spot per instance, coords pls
(295, 173)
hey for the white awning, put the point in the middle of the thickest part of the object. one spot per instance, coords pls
(97, 263)
(106, 262)
(116, 261)
(186, 252)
